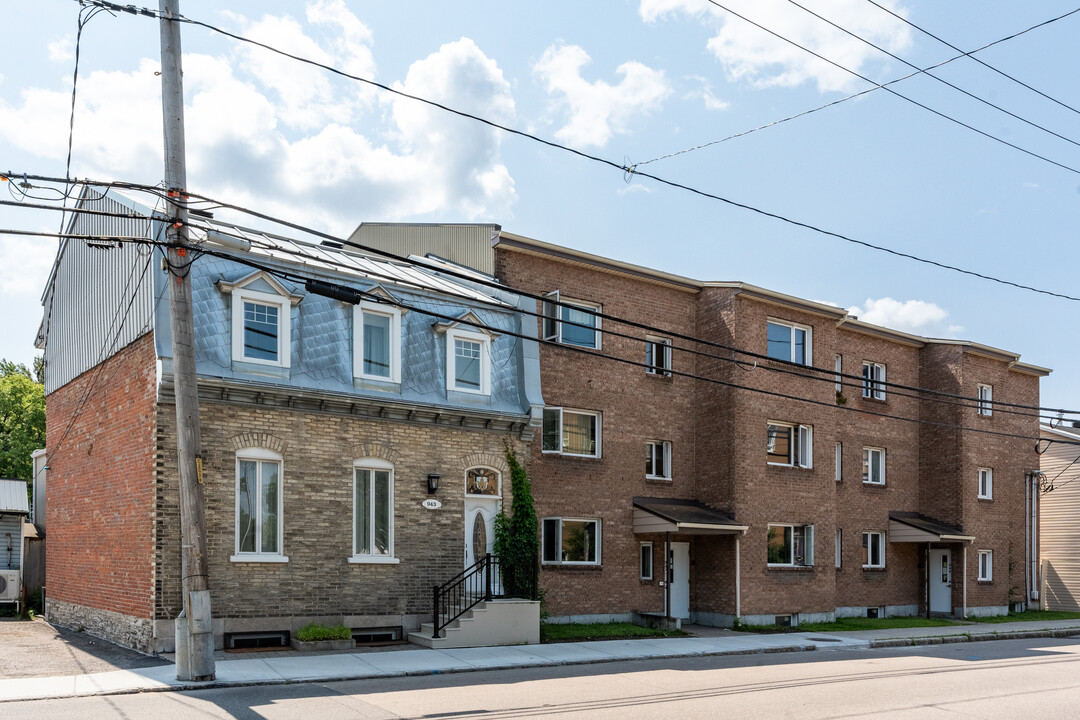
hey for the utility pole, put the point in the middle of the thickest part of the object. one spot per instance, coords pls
(194, 630)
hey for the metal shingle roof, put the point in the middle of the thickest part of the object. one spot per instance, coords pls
(13, 497)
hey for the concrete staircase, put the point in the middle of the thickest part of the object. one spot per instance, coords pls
(498, 622)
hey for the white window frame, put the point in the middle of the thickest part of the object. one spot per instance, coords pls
(877, 537)
(986, 565)
(561, 520)
(839, 462)
(551, 324)
(838, 547)
(793, 326)
(985, 400)
(371, 558)
(645, 550)
(373, 308)
(839, 373)
(284, 306)
(808, 545)
(559, 432)
(800, 449)
(665, 458)
(986, 483)
(661, 346)
(868, 465)
(874, 380)
(485, 360)
(258, 456)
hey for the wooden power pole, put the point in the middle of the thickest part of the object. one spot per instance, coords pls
(194, 629)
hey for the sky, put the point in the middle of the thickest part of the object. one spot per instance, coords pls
(626, 80)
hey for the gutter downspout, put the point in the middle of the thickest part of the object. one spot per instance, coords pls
(1027, 534)
(965, 580)
(926, 582)
(738, 579)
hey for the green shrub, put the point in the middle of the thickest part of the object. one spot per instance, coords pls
(517, 538)
(315, 631)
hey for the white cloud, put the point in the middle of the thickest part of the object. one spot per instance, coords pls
(914, 316)
(62, 49)
(323, 157)
(752, 55)
(597, 110)
(705, 93)
(25, 264)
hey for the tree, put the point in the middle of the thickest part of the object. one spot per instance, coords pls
(22, 420)
(517, 538)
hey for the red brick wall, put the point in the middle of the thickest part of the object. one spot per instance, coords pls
(101, 484)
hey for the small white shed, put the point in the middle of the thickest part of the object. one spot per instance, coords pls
(14, 508)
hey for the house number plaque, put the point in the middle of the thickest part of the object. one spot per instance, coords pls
(432, 504)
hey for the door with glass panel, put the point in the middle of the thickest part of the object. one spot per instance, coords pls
(483, 500)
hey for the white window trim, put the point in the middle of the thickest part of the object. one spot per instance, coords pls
(560, 451)
(880, 539)
(259, 455)
(985, 405)
(884, 465)
(874, 388)
(989, 575)
(839, 373)
(989, 494)
(485, 360)
(599, 540)
(557, 302)
(808, 545)
(839, 462)
(802, 439)
(838, 547)
(794, 326)
(394, 314)
(370, 559)
(663, 344)
(641, 552)
(666, 447)
(284, 350)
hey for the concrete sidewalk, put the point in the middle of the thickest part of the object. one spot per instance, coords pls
(353, 666)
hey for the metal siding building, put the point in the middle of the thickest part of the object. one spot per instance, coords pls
(468, 245)
(1059, 521)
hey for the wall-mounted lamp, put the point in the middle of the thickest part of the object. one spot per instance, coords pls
(432, 483)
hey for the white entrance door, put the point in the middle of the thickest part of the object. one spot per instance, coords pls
(941, 581)
(479, 529)
(679, 578)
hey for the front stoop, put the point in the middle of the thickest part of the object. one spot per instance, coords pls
(499, 622)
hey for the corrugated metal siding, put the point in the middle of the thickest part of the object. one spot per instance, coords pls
(464, 244)
(13, 496)
(90, 311)
(10, 530)
(1059, 528)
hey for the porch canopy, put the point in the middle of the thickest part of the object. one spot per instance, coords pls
(918, 528)
(675, 515)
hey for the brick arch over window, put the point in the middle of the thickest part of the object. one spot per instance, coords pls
(495, 461)
(376, 450)
(257, 440)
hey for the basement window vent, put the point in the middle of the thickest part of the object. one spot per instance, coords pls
(251, 640)
(785, 620)
(378, 635)
(875, 612)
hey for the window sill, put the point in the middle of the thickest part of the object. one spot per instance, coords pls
(782, 466)
(789, 568)
(984, 582)
(571, 567)
(881, 401)
(873, 569)
(873, 485)
(571, 455)
(659, 375)
(985, 499)
(658, 479)
(374, 560)
(258, 559)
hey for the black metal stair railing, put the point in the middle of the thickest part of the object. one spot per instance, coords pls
(478, 583)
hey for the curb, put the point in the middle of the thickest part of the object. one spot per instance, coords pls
(978, 637)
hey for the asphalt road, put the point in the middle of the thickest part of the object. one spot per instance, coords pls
(1002, 679)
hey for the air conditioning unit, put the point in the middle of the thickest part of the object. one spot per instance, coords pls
(9, 586)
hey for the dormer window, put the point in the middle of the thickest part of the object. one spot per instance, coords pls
(377, 332)
(261, 327)
(468, 355)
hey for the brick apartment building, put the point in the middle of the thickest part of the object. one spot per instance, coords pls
(323, 426)
(778, 497)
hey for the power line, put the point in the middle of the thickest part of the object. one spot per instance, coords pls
(828, 372)
(981, 62)
(932, 75)
(621, 167)
(855, 95)
(894, 92)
